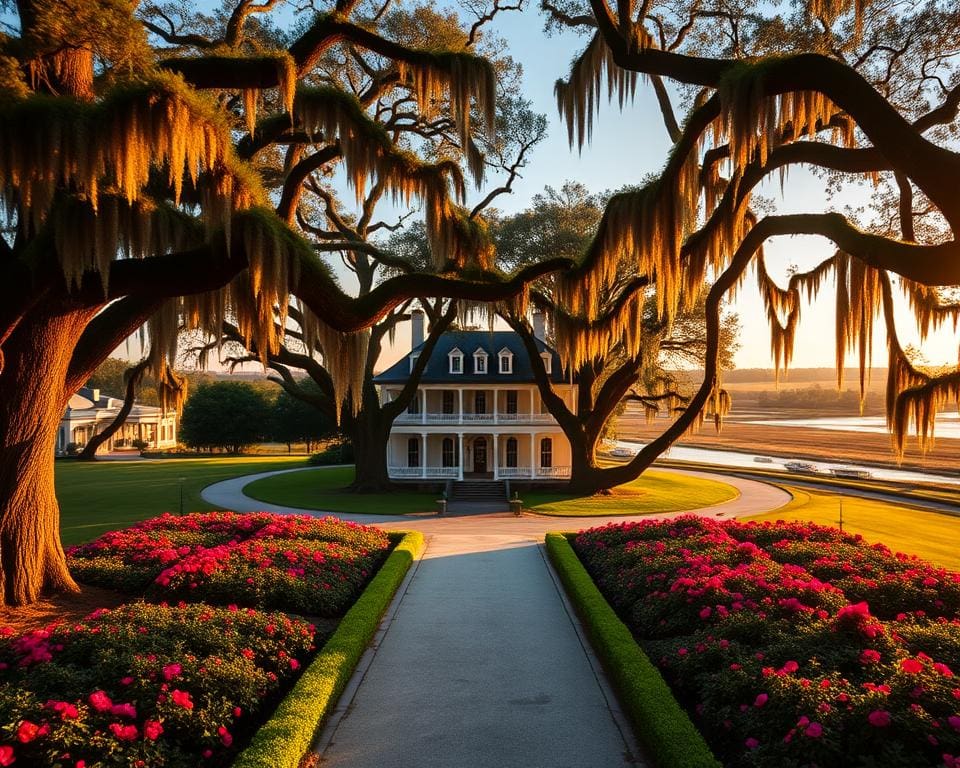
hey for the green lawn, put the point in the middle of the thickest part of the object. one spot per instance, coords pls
(929, 535)
(104, 495)
(323, 489)
(652, 492)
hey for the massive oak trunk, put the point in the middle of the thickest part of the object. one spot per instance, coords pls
(33, 396)
(369, 433)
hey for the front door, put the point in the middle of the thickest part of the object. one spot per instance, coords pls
(480, 455)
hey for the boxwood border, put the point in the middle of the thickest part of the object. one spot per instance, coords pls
(288, 735)
(665, 731)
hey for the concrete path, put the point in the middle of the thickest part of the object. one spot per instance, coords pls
(481, 666)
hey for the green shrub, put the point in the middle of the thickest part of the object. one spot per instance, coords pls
(288, 735)
(661, 724)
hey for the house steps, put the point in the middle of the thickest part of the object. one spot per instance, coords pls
(479, 490)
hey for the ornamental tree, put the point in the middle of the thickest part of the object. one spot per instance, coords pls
(857, 91)
(151, 171)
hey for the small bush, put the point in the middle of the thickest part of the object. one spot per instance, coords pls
(335, 453)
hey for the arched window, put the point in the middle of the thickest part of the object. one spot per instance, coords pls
(456, 360)
(449, 453)
(413, 452)
(480, 361)
(505, 357)
(511, 451)
(546, 452)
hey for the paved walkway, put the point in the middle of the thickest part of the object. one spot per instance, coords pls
(479, 663)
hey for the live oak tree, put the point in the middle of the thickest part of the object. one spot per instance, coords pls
(354, 235)
(138, 170)
(855, 90)
(615, 372)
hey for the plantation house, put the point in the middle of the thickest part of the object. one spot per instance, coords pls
(477, 413)
(90, 412)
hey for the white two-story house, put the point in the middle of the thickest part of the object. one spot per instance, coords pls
(477, 413)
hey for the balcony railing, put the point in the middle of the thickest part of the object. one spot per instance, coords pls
(431, 472)
(475, 418)
(504, 473)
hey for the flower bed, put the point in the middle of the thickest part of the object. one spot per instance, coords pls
(792, 645)
(144, 684)
(299, 564)
(185, 684)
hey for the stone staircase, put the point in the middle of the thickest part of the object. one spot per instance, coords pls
(487, 491)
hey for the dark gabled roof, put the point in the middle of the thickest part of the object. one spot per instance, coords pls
(491, 342)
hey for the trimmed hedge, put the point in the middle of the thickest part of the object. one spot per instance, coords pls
(663, 727)
(287, 736)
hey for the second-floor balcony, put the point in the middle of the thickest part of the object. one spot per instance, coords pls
(475, 418)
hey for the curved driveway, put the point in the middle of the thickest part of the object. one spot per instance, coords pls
(755, 498)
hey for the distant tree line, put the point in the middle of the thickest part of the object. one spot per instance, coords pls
(230, 416)
(815, 397)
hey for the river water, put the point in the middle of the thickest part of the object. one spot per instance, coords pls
(739, 459)
(948, 424)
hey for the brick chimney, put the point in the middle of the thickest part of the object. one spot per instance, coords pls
(540, 326)
(416, 328)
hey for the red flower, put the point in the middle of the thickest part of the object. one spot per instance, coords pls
(869, 656)
(6, 755)
(182, 699)
(65, 709)
(124, 732)
(911, 666)
(152, 729)
(879, 718)
(100, 701)
(124, 710)
(225, 738)
(28, 731)
(761, 700)
(171, 671)
(814, 731)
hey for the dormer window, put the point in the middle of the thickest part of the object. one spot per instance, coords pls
(413, 360)
(506, 360)
(480, 361)
(547, 362)
(456, 361)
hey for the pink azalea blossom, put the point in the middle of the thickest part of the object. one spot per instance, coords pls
(879, 718)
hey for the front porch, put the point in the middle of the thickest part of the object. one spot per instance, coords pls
(490, 456)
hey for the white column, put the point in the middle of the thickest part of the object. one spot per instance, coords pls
(496, 460)
(460, 455)
(531, 404)
(460, 412)
(533, 461)
(496, 404)
(423, 454)
(423, 406)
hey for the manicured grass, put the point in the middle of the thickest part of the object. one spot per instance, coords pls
(96, 497)
(930, 535)
(652, 492)
(661, 724)
(287, 736)
(323, 489)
